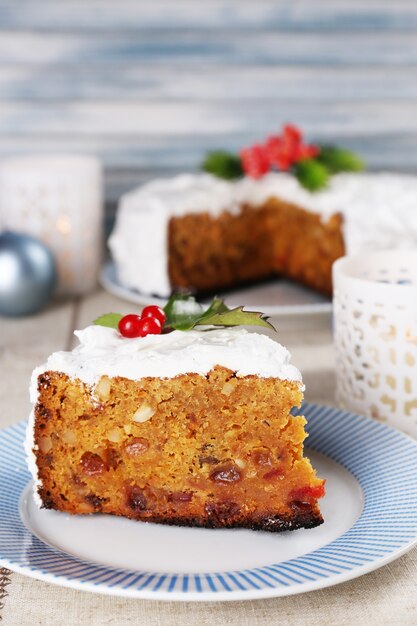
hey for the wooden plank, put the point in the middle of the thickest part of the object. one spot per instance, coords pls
(131, 163)
(131, 15)
(25, 343)
(208, 46)
(142, 82)
(165, 119)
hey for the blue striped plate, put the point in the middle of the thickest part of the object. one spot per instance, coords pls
(370, 519)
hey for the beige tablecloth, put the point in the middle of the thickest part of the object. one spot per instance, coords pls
(387, 596)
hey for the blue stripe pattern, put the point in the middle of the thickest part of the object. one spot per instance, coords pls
(382, 459)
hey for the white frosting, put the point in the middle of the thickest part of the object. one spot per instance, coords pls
(103, 351)
(380, 212)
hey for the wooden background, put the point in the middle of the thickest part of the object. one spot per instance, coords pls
(150, 85)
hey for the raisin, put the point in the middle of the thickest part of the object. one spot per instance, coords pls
(226, 475)
(208, 460)
(112, 457)
(221, 511)
(297, 506)
(85, 416)
(136, 499)
(44, 413)
(180, 496)
(48, 460)
(92, 464)
(262, 456)
(95, 501)
(44, 381)
(136, 446)
(78, 481)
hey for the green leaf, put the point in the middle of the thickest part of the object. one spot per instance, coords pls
(311, 174)
(184, 313)
(339, 160)
(110, 320)
(223, 164)
(236, 317)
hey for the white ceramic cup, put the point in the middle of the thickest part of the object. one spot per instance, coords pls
(58, 199)
(375, 336)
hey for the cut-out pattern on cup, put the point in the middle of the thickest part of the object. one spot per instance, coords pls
(375, 333)
(59, 200)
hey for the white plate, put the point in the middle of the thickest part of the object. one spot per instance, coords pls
(370, 513)
(275, 297)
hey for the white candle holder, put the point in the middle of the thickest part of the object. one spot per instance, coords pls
(375, 333)
(58, 199)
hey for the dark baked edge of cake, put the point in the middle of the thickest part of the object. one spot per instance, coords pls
(270, 522)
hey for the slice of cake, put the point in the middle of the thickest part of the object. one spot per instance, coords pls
(188, 427)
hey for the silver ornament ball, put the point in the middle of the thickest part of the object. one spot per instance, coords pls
(27, 274)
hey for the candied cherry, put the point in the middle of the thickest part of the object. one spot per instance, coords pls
(308, 493)
(156, 312)
(129, 326)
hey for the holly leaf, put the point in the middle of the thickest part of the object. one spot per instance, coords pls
(311, 174)
(184, 313)
(236, 317)
(339, 160)
(110, 320)
(223, 164)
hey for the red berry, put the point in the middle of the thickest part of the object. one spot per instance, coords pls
(156, 312)
(149, 326)
(280, 153)
(255, 161)
(129, 326)
(306, 152)
(292, 134)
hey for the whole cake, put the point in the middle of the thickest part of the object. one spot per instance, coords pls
(188, 427)
(205, 233)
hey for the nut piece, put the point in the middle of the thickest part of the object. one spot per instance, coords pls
(227, 388)
(143, 414)
(45, 444)
(102, 390)
(69, 437)
(114, 435)
(240, 463)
